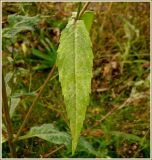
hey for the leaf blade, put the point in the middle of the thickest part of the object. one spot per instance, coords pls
(74, 63)
(49, 133)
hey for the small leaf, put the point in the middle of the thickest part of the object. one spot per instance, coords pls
(47, 59)
(14, 103)
(41, 55)
(41, 67)
(84, 145)
(74, 61)
(126, 136)
(18, 23)
(87, 17)
(8, 77)
(21, 94)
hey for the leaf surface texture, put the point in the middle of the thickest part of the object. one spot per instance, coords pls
(74, 61)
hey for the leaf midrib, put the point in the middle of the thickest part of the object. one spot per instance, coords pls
(75, 31)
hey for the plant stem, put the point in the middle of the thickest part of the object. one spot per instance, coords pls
(49, 154)
(34, 103)
(83, 9)
(7, 119)
(79, 8)
(80, 13)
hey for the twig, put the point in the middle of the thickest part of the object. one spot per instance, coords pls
(112, 111)
(48, 154)
(7, 119)
(126, 102)
(80, 13)
(107, 115)
(79, 8)
(34, 103)
(83, 9)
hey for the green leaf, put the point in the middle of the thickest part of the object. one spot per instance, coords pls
(126, 136)
(51, 134)
(18, 23)
(41, 55)
(87, 17)
(84, 145)
(74, 61)
(14, 103)
(8, 77)
(41, 67)
(47, 59)
(48, 133)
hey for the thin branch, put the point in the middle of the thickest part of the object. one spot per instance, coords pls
(83, 9)
(112, 111)
(34, 103)
(7, 119)
(126, 102)
(49, 154)
(78, 12)
(106, 116)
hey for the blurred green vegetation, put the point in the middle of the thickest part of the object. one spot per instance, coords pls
(117, 121)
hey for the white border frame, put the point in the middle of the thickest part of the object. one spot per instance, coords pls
(76, 1)
(150, 1)
(1, 79)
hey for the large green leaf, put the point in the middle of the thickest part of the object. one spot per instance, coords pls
(74, 61)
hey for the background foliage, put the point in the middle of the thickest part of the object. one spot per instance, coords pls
(117, 119)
